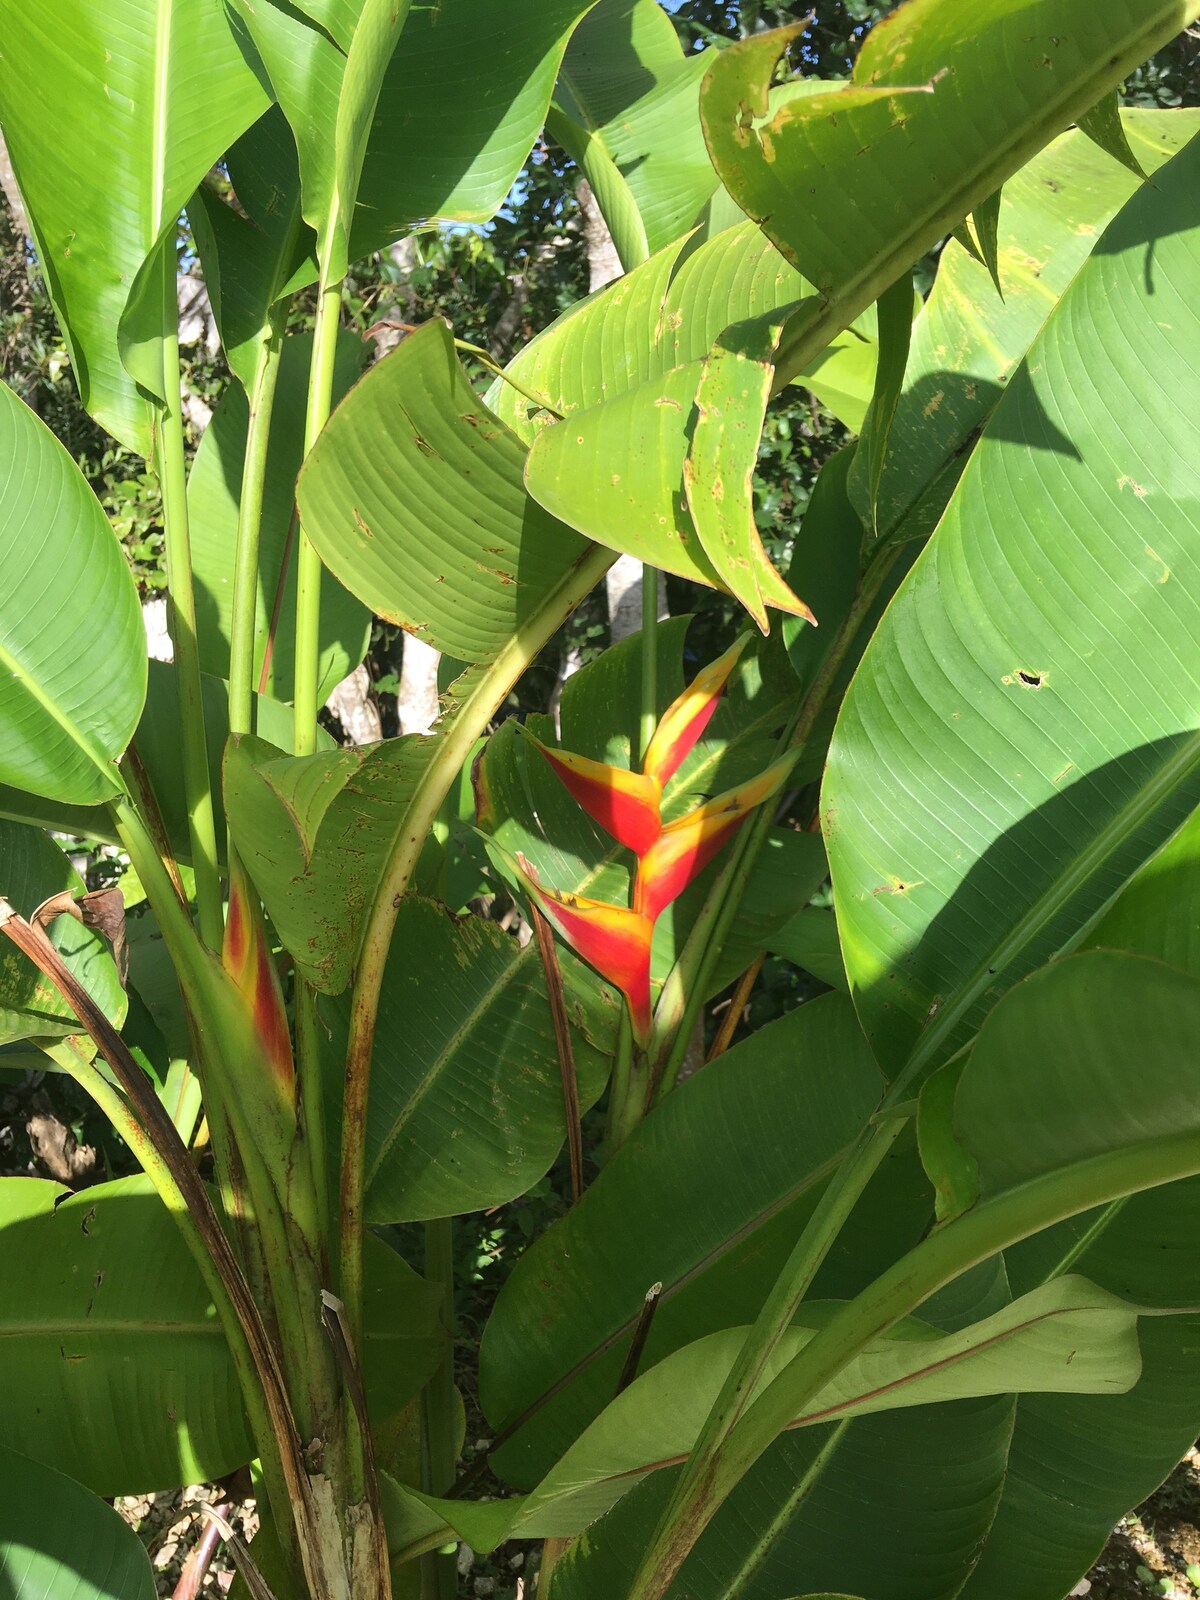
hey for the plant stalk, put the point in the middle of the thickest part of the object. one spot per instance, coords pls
(649, 716)
(249, 530)
(308, 562)
(687, 985)
(439, 1576)
(181, 598)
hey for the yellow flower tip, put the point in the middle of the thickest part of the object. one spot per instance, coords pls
(685, 719)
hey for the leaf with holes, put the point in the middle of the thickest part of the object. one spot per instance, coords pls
(1022, 731)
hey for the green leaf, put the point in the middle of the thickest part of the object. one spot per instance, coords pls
(326, 70)
(214, 492)
(678, 1204)
(810, 940)
(422, 163)
(72, 656)
(666, 312)
(718, 472)
(895, 318)
(1067, 1337)
(466, 1106)
(629, 110)
(108, 1317)
(256, 252)
(314, 833)
(967, 342)
(920, 135)
(894, 1505)
(1022, 732)
(156, 90)
(414, 497)
(157, 744)
(58, 1542)
(1076, 1466)
(826, 566)
(32, 869)
(1155, 914)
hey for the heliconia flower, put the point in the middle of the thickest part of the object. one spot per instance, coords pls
(686, 718)
(246, 957)
(616, 940)
(626, 804)
(687, 845)
(613, 939)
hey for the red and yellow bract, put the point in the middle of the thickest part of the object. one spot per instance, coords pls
(616, 940)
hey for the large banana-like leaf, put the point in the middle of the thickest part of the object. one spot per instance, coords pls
(623, 370)
(113, 111)
(72, 654)
(414, 480)
(421, 162)
(680, 1205)
(466, 1106)
(60, 1542)
(1076, 1465)
(157, 745)
(1068, 1336)
(214, 491)
(663, 313)
(890, 1506)
(856, 184)
(413, 496)
(32, 869)
(115, 1362)
(627, 108)
(968, 341)
(314, 833)
(326, 65)
(1049, 1121)
(1022, 732)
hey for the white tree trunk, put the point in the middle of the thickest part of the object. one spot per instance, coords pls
(418, 691)
(352, 705)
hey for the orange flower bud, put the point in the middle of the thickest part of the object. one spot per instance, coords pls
(246, 957)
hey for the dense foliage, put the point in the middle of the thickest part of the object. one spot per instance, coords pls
(894, 818)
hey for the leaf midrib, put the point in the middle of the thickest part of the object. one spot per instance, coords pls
(12, 667)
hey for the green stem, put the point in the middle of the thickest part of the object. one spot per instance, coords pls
(840, 1196)
(649, 715)
(687, 985)
(629, 1099)
(250, 505)
(475, 710)
(439, 1578)
(937, 1260)
(172, 477)
(308, 562)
